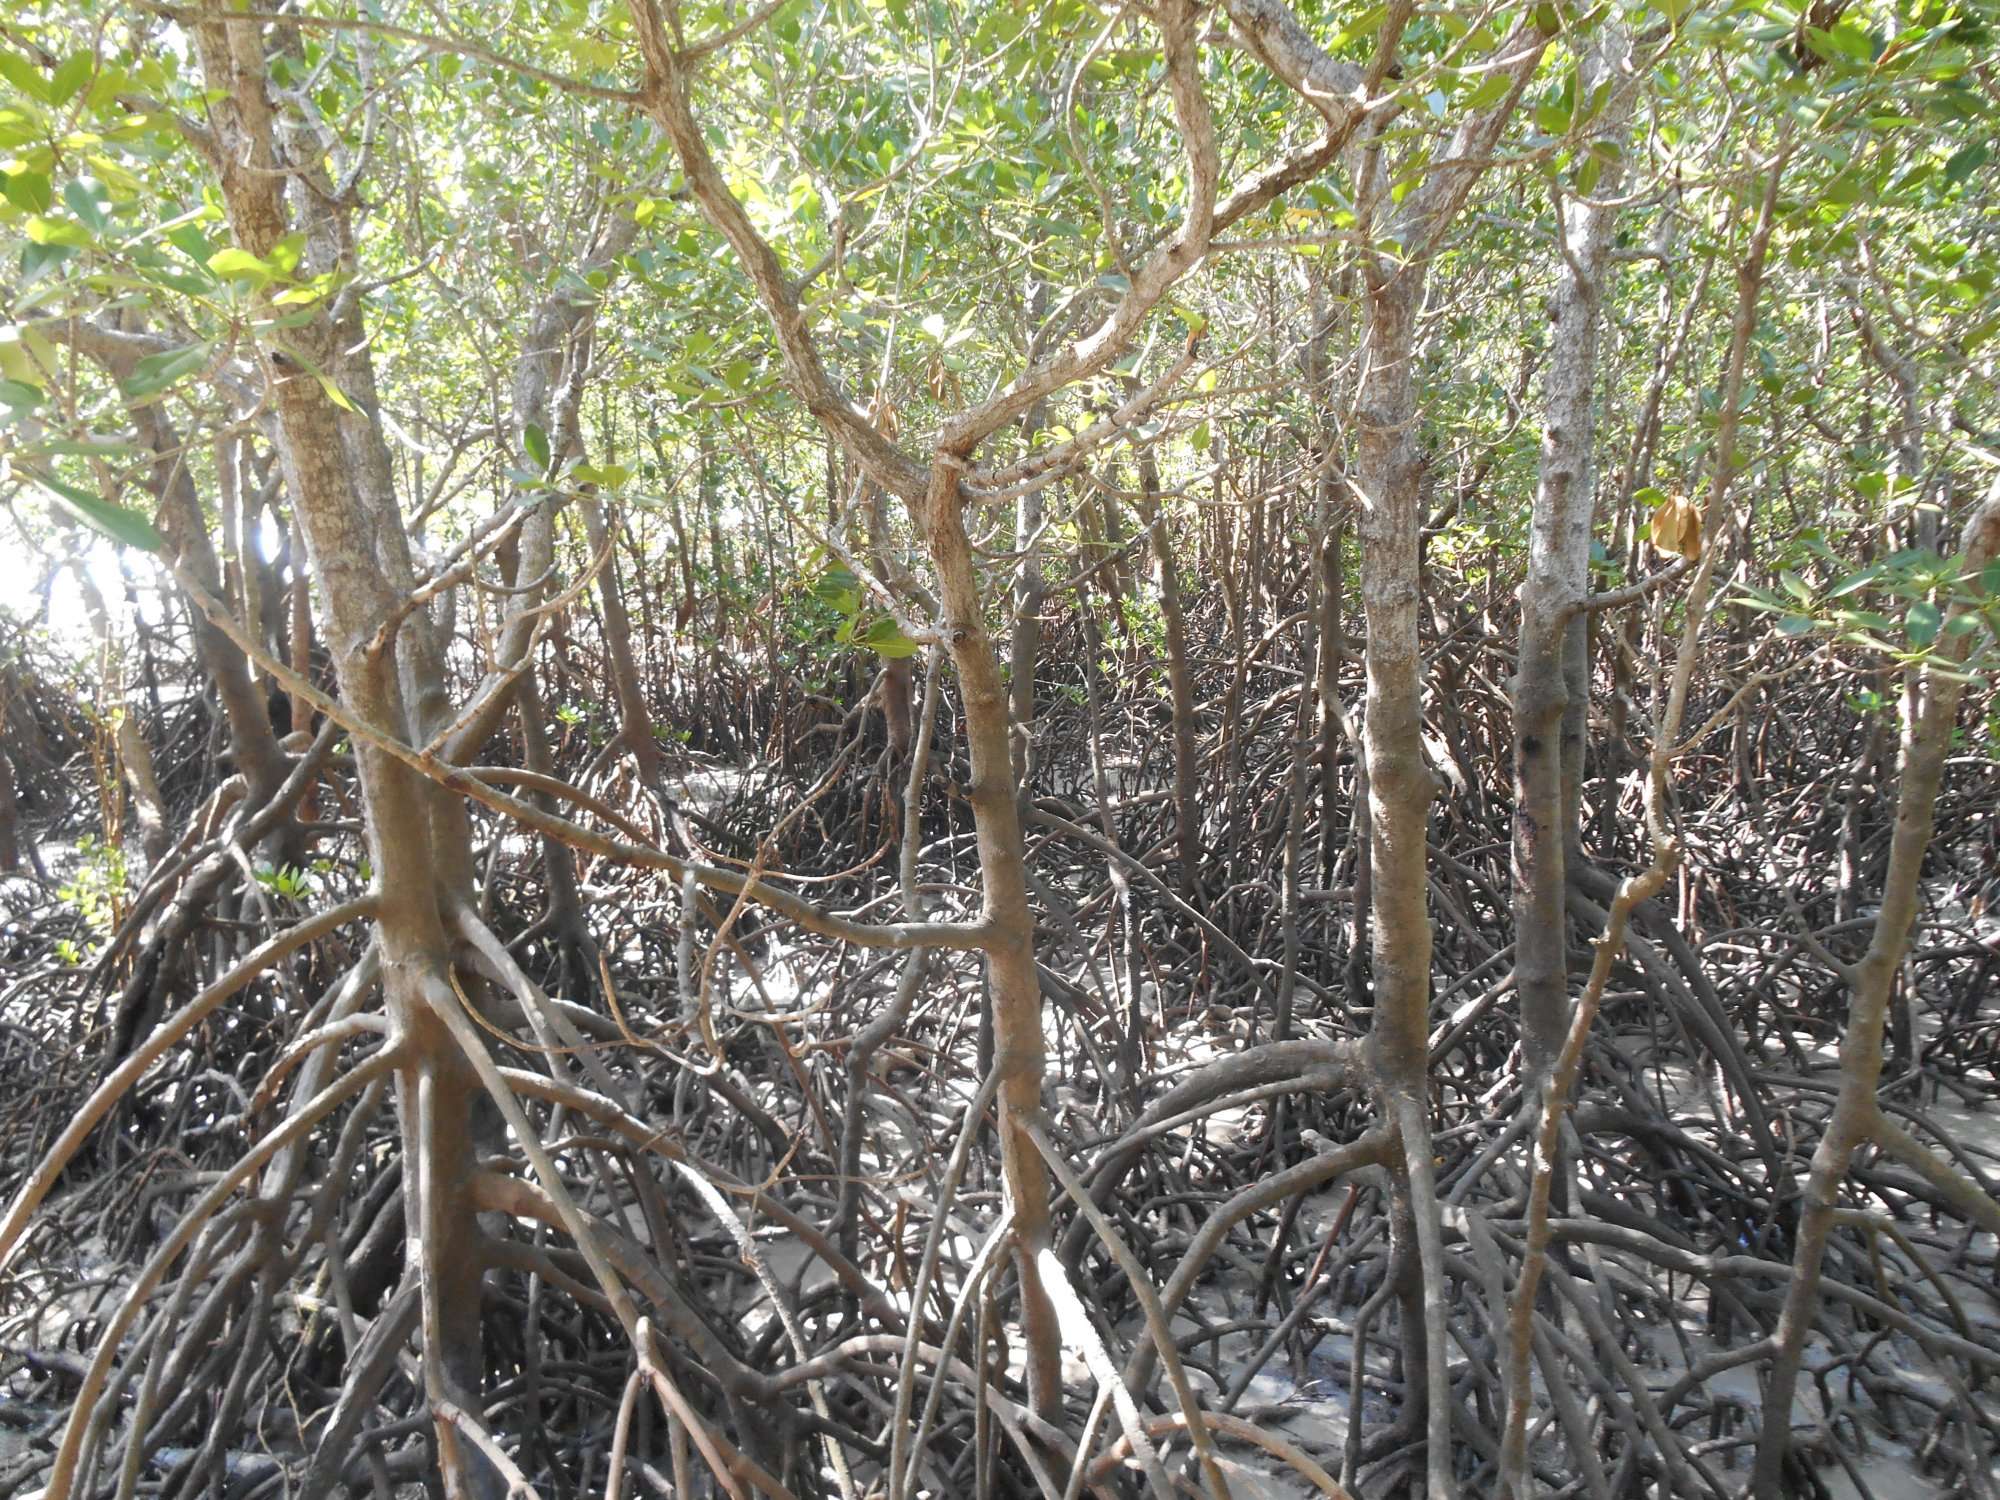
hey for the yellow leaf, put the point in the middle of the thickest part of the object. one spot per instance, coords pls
(1677, 528)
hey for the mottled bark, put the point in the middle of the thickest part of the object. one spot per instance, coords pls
(1401, 788)
(1548, 690)
(547, 385)
(1180, 682)
(252, 744)
(937, 495)
(1387, 485)
(134, 755)
(635, 715)
(1931, 701)
(361, 559)
(10, 818)
(1013, 986)
(1024, 636)
(894, 684)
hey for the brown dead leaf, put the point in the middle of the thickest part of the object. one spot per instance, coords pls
(1677, 528)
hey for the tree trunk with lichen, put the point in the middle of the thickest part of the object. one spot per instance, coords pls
(1401, 789)
(1180, 680)
(1549, 685)
(415, 832)
(1930, 713)
(1013, 987)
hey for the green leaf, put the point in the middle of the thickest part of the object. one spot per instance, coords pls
(46, 231)
(535, 443)
(336, 395)
(29, 191)
(1492, 89)
(839, 588)
(23, 74)
(1964, 162)
(191, 242)
(71, 75)
(24, 354)
(156, 372)
(85, 197)
(1921, 624)
(35, 259)
(238, 264)
(19, 395)
(284, 257)
(885, 638)
(1850, 40)
(1796, 624)
(1865, 619)
(126, 527)
(576, 290)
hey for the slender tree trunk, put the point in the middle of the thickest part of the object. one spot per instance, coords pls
(10, 811)
(938, 497)
(1024, 641)
(1388, 475)
(1401, 787)
(1548, 690)
(128, 739)
(1180, 681)
(1014, 989)
(562, 921)
(135, 759)
(894, 686)
(361, 558)
(1024, 637)
(1931, 701)
(1333, 725)
(1126, 995)
(1298, 786)
(635, 715)
(252, 744)
(547, 387)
